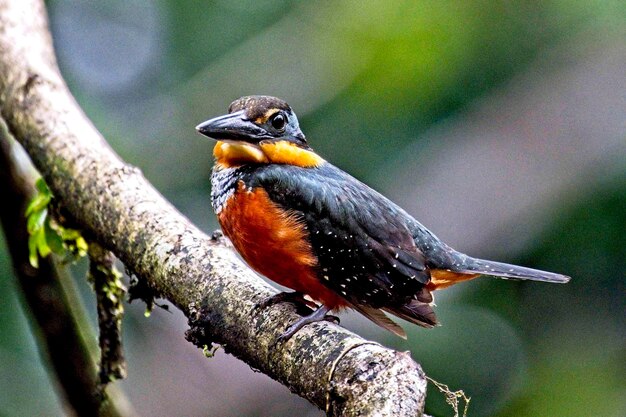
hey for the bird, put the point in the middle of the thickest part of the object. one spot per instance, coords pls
(311, 227)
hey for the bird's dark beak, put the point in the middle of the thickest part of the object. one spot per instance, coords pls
(233, 126)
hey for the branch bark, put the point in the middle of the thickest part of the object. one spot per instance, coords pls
(331, 367)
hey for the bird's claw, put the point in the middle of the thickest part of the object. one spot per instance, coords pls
(332, 319)
(284, 297)
(317, 315)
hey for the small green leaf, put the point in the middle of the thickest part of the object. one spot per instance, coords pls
(37, 203)
(81, 245)
(36, 221)
(42, 245)
(33, 257)
(69, 234)
(54, 239)
(41, 199)
(42, 187)
(46, 235)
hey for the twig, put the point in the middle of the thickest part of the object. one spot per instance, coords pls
(452, 397)
(110, 292)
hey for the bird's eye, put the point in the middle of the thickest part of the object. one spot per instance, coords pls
(278, 121)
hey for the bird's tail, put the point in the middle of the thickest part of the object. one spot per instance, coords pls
(469, 265)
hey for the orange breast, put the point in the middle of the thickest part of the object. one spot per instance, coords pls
(274, 243)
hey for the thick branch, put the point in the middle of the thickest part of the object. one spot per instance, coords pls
(113, 202)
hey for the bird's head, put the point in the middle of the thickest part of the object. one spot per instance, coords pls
(259, 129)
(254, 119)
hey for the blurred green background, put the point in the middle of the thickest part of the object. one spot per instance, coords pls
(501, 125)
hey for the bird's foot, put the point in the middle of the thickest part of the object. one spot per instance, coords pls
(317, 315)
(285, 297)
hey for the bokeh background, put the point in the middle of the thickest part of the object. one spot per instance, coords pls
(501, 125)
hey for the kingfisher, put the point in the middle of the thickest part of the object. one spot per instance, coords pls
(309, 226)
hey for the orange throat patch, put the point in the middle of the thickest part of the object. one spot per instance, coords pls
(231, 154)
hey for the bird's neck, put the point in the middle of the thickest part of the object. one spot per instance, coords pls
(231, 154)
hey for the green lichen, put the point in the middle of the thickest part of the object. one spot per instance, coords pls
(110, 293)
(112, 287)
(209, 350)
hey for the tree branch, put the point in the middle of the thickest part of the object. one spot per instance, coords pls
(113, 203)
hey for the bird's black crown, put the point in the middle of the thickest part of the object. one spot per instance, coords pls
(257, 106)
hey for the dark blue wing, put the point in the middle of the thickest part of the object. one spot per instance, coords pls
(365, 248)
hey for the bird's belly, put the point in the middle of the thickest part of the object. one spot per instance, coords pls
(274, 242)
